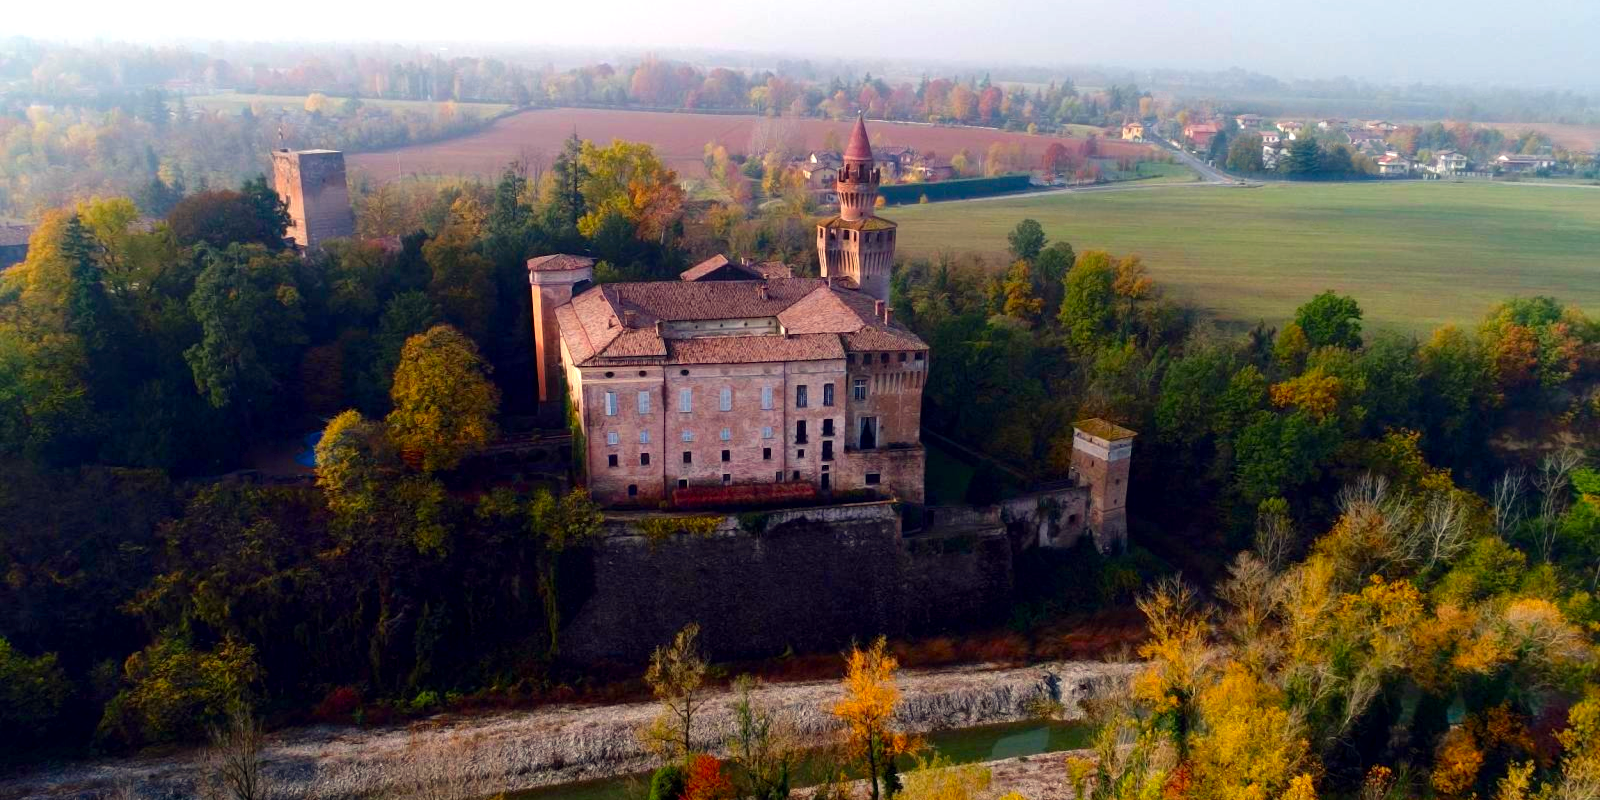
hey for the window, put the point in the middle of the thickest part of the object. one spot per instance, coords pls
(727, 434)
(827, 427)
(883, 358)
(685, 400)
(644, 403)
(766, 432)
(873, 478)
(801, 453)
(727, 455)
(644, 437)
(850, 358)
(611, 404)
(796, 475)
(611, 460)
(644, 459)
(688, 436)
(726, 479)
(725, 401)
(827, 451)
(921, 356)
(800, 432)
(868, 438)
(902, 358)
(683, 483)
(688, 457)
(860, 389)
(827, 393)
(779, 477)
(766, 398)
(766, 454)
(633, 490)
(826, 482)
(612, 438)
(800, 395)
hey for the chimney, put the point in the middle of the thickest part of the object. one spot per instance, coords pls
(888, 315)
(658, 327)
(629, 317)
(877, 308)
(761, 289)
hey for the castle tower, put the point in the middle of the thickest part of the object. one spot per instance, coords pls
(312, 182)
(1100, 458)
(554, 280)
(858, 244)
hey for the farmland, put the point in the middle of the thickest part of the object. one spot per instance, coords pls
(232, 102)
(1415, 254)
(680, 139)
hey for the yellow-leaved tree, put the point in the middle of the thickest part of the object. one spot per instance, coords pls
(444, 406)
(867, 711)
(677, 674)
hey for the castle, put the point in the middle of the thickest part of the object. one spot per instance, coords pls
(740, 384)
(312, 183)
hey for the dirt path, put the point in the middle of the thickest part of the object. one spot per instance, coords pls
(481, 755)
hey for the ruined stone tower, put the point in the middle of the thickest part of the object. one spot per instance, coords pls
(858, 244)
(1100, 458)
(312, 182)
(553, 280)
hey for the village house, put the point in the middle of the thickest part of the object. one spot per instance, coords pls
(1380, 126)
(1449, 162)
(1270, 156)
(1270, 137)
(1516, 163)
(1200, 134)
(1366, 142)
(1330, 124)
(1290, 127)
(1133, 131)
(1248, 122)
(1393, 164)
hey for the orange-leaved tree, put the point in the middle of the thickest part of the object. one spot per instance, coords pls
(867, 710)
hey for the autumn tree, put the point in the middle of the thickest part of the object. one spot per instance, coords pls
(676, 675)
(553, 526)
(867, 711)
(1086, 312)
(628, 178)
(444, 406)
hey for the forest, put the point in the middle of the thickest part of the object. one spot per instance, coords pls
(1389, 496)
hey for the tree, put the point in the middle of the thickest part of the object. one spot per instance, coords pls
(253, 215)
(867, 711)
(172, 691)
(1027, 240)
(762, 748)
(444, 406)
(32, 693)
(1245, 155)
(1330, 320)
(1304, 157)
(235, 763)
(1020, 302)
(676, 675)
(629, 178)
(249, 308)
(1086, 312)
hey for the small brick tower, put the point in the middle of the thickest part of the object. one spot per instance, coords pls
(857, 244)
(554, 280)
(1100, 457)
(312, 182)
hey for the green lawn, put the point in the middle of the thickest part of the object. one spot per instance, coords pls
(1415, 255)
(233, 101)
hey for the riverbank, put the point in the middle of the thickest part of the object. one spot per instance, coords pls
(464, 757)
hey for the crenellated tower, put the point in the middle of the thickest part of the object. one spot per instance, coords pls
(857, 244)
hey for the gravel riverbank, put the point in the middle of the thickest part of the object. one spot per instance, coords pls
(465, 756)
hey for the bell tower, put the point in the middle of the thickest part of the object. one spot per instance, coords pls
(858, 244)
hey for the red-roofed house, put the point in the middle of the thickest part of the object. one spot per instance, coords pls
(1199, 134)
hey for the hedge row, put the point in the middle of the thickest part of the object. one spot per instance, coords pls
(960, 189)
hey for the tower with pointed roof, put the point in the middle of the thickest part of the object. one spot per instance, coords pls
(857, 245)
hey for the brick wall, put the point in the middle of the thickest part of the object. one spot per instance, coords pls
(809, 579)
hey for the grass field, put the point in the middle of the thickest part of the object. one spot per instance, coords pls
(1415, 255)
(235, 102)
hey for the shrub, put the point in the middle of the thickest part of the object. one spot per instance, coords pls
(667, 783)
(172, 691)
(32, 691)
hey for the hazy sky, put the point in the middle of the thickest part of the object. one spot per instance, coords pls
(1535, 42)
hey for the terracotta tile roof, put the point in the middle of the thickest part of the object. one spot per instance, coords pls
(617, 321)
(864, 224)
(704, 268)
(754, 349)
(558, 261)
(859, 149)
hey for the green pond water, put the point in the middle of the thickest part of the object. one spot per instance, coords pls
(961, 746)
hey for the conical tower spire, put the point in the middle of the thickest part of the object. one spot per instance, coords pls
(860, 148)
(858, 179)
